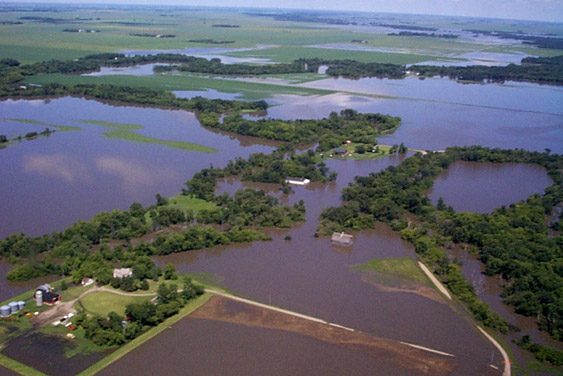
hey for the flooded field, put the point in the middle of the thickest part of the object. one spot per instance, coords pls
(247, 340)
(483, 187)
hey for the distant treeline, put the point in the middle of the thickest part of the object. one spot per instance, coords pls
(432, 35)
(547, 70)
(226, 26)
(211, 41)
(146, 35)
(515, 243)
(555, 43)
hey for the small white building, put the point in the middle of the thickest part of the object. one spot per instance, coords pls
(297, 181)
(86, 281)
(340, 238)
(122, 273)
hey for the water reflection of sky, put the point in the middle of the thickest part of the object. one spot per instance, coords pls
(55, 181)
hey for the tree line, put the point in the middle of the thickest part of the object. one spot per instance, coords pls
(517, 243)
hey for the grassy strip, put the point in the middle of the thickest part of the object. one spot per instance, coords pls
(117, 126)
(18, 367)
(182, 145)
(122, 351)
(61, 128)
(404, 267)
(102, 303)
(123, 132)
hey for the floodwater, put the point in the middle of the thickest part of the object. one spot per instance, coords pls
(135, 70)
(46, 354)
(209, 53)
(218, 348)
(483, 187)
(209, 94)
(437, 113)
(57, 180)
(241, 339)
(309, 275)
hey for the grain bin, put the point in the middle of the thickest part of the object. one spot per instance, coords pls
(39, 298)
(5, 311)
(21, 304)
(14, 307)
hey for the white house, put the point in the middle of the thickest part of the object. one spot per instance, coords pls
(122, 273)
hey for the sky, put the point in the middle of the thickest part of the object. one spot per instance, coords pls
(545, 10)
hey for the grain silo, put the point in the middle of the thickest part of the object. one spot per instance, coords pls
(5, 311)
(39, 298)
(14, 307)
(21, 304)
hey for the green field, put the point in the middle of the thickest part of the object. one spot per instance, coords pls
(404, 268)
(102, 303)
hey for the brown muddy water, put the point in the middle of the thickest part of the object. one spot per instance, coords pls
(241, 339)
(483, 187)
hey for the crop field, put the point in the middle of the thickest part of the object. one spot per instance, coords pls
(39, 35)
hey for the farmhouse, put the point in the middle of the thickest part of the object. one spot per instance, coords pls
(340, 151)
(45, 295)
(122, 273)
(341, 238)
(297, 181)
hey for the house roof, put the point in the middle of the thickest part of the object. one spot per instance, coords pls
(342, 238)
(340, 151)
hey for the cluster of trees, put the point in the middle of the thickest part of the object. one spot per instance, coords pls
(542, 70)
(211, 41)
(328, 132)
(514, 243)
(115, 329)
(542, 353)
(215, 66)
(147, 35)
(197, 237)
(427, 35)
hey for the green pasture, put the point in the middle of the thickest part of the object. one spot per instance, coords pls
(404, 268)
(102, 303)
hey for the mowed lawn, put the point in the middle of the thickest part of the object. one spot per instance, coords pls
(102, 303)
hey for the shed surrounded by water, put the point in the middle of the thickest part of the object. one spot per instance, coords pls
(341, 238)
